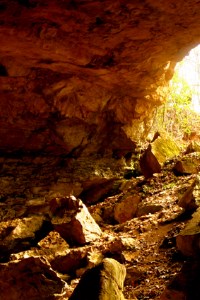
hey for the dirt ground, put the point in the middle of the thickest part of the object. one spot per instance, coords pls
(145, 243)
(154, 260)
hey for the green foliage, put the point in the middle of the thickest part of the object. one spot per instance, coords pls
(176, 116)
(180, 93)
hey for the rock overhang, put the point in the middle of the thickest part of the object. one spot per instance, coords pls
(79, 77)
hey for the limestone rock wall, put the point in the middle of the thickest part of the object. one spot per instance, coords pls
(82, 76)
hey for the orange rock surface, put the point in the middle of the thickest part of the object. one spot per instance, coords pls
(79, 77)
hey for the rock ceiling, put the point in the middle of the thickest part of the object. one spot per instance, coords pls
(82, 76)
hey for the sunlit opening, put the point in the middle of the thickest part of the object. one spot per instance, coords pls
(189, 70)
(179, 115)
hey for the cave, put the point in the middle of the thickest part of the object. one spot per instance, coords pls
(80, 81)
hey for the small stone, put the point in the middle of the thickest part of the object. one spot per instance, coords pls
(130, 243)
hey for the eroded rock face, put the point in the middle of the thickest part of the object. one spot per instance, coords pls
(82, 76)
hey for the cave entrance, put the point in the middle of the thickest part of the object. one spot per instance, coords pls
(179, 116)
(188, 72)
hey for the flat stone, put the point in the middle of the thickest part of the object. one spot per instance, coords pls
(71, 261)
(96, 191)
(130, 243)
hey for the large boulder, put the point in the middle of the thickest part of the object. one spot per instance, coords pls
(159, 151)
(71, 218)
(190, 199)
(103, 282)
(188, 240)
(185, 286)
(30, 278)
(149, 163)
(164, 148)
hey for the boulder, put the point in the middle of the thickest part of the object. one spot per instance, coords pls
(126, 209)
(19, 234)
(158, 152)
(188, 240)
(149, 163)
(50, 247)
(185, 286)
(103, 282)
(71, 218)
(98, 189)
(164, 148)
(30, 278)
(190, 199)
(193, 147)
(189, 164)
(145, 208)
(55, 243)
(71, 261)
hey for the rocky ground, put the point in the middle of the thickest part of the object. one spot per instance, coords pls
(48, 242)
(151, 257)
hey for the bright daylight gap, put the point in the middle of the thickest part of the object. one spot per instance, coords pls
(179, 116)
(189, 70)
